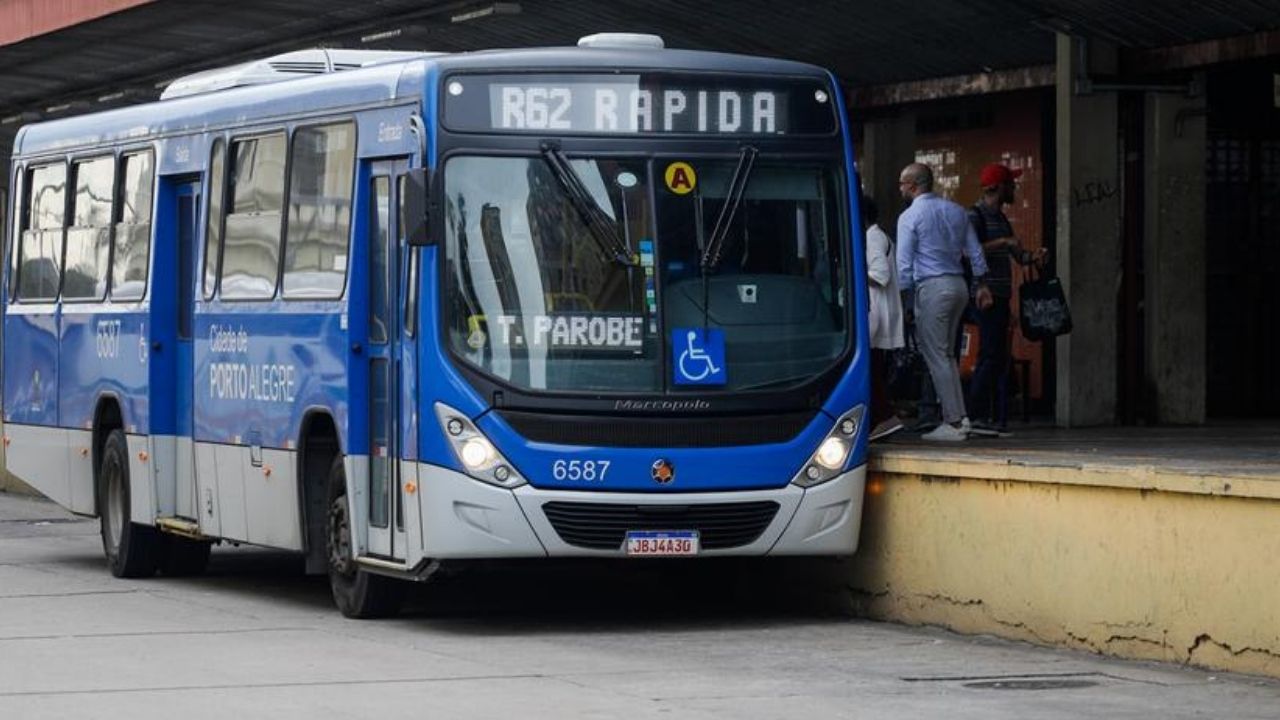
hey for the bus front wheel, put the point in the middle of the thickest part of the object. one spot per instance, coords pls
(357, 592)
(132, 550)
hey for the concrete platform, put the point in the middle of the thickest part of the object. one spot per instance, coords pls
(1246, 452)
(1157, 543)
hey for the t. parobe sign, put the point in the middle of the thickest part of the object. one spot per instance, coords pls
(564, 332)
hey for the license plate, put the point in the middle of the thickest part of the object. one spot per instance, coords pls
(662, 543)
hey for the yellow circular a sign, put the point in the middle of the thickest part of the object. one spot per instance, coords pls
(681, 179)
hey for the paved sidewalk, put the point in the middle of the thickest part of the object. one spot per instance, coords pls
(28, 508)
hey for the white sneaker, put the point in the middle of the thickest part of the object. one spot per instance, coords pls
(946, 432)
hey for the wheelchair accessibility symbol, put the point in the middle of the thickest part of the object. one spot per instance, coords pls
(698, 354)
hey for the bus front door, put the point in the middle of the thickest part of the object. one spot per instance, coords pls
(386, 507)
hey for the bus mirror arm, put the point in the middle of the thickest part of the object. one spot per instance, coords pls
(416, 200)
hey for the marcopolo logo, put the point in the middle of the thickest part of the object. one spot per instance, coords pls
(662, 472)
(667, 405)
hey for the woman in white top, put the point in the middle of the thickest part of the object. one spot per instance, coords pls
(885, 318)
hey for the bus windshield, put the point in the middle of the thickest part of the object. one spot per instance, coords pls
(538, 294)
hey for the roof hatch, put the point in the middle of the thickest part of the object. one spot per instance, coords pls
(289, 66)
(622, 40)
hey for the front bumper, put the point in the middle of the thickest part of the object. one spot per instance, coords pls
(464, 518)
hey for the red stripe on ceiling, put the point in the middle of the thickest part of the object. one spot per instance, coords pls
(23, 19)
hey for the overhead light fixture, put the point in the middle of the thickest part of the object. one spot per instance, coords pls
(500, 8)
(111, 96)
(79, 105)
(24, 116)
(1053, 24)
(384, 35)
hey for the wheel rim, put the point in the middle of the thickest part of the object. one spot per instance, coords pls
(340, 537)
(115, 506)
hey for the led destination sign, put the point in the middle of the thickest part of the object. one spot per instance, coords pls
(637, 104)
(591, 108)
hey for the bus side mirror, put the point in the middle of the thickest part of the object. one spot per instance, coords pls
(416, 201)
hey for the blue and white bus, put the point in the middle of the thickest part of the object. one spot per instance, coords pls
(390, 310)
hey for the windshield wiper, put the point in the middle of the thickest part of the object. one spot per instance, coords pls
(598, 222)
(780, 382)
(733, 198)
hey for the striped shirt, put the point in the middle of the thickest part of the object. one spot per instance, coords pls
(991, 224)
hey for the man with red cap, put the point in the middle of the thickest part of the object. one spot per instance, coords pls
(1000, 248)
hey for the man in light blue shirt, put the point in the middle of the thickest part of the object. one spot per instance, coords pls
(933, 234)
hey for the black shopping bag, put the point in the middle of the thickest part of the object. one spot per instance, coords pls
(906, 368)
(1042, 309)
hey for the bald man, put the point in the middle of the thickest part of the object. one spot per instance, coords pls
(933, 234)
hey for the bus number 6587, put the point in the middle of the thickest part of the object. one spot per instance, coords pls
(586, 470)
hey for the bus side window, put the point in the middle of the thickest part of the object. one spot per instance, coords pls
(89, 237)
(213, 227)
(251, 235)
(320, 184)
(411, 294)
(379, 288)
(132, 254)
(13, 230)
(40, 250)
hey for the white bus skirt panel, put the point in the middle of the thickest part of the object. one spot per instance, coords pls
(55, 461)
(828, 519)
(467, 518)
(142, 480)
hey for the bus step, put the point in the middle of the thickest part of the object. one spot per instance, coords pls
(181, 527)
(379, 564)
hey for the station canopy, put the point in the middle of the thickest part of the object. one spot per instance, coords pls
(130, 55)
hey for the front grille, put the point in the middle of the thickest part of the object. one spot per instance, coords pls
(668, 432)
(603, 526)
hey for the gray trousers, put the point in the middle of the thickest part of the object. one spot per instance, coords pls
(940, 301)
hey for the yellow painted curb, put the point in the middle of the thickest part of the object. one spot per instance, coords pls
(1051, 467)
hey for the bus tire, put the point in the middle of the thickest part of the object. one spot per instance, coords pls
(132, 550)
(357, 592)
(184, 558)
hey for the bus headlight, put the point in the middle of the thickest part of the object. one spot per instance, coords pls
(476, 453)
(478, 456)
(833, 452)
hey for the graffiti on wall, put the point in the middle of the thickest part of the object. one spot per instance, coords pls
(1093, 192)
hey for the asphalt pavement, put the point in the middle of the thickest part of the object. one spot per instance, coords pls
(255, 638)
